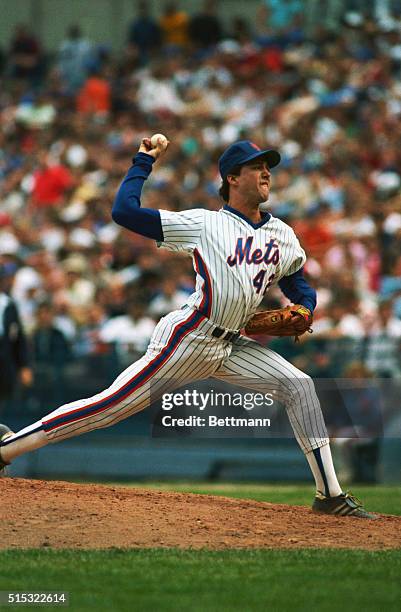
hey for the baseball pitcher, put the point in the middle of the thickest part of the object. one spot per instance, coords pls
(238, 254)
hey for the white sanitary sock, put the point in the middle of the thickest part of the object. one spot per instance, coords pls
(28, 439)
(321, 464)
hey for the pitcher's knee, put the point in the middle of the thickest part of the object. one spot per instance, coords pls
(301, 390)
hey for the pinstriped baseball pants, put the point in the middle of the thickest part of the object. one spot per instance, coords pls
(183, 351)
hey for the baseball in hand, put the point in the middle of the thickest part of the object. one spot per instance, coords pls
(159, 139)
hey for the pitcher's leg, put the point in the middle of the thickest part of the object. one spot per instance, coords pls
(168, 356)
(123, 398)
(254, 366)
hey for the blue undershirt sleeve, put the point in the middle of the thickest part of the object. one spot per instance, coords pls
(296, 289)
(127, 209)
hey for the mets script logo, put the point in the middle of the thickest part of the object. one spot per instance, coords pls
(244, 252)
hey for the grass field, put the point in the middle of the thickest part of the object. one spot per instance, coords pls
(386, 499)
(164, 580)
(205, 581)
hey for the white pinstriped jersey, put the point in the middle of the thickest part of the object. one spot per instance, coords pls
(235, 261)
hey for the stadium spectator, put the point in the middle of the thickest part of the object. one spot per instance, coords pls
(49, 345)
(51, 182)
(94, 98)
(131, 331)
(174, 26)
(280, 14)
(51, 352)
(36, 112)
(240, 31)
(14, 361)
(144, 33)
(205, 28)
(79, 290)
(170, 298)
(25, 56)
(75, 58)
(384, 343)
(358, 428)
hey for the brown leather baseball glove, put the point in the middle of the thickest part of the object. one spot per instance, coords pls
(289, 321)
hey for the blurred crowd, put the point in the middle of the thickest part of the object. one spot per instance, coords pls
(70, 122)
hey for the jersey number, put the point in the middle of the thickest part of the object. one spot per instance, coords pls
(259, 278)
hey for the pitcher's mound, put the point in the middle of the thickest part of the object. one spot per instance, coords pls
(67, 515)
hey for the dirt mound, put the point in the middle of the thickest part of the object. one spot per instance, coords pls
(67, 515)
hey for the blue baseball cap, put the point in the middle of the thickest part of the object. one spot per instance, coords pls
(244, 151)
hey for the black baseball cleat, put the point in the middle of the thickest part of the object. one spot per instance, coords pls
(342, 505)
(5, 432)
